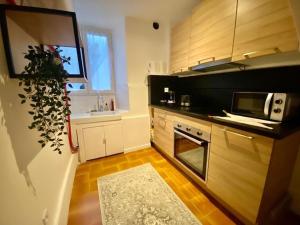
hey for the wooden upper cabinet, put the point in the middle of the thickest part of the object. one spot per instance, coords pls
(212, 31)
(180, 37)
(264, 27)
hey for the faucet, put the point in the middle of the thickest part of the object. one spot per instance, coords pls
(98, 105)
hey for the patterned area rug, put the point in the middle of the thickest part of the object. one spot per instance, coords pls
(139, 196)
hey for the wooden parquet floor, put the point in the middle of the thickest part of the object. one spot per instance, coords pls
(84, 205)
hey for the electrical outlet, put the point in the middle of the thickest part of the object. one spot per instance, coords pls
(45, 217)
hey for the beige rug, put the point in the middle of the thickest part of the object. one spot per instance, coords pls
(139, 196)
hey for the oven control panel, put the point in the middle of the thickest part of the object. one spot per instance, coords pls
(196, 132)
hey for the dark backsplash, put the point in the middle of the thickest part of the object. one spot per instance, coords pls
(215, 90)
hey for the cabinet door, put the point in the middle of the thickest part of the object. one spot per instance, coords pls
(264, 27)
(163, 132)
(94, 142)
(180, 38)
(114, 139)
(238, 167)
(212, 31)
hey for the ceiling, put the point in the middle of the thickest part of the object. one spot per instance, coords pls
(170, 11)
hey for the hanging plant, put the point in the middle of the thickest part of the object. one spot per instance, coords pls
(44, 80)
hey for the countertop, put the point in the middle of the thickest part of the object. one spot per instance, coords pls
(83, 118)
(279, 131)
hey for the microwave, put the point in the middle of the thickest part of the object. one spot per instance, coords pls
(269, 106)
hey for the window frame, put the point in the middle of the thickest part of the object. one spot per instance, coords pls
(94, 30)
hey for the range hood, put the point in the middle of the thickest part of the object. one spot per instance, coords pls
(214, 65)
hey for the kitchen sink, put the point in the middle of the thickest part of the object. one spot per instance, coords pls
(104, 113)
(92, 117)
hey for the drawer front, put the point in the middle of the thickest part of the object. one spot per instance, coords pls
(238, 167)
(246, 149)
(163, 133)
(163, 125)
(233, 185)
(175, 117)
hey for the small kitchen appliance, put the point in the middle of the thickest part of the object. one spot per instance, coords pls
(185, 100)
(268, 106)
(168, 97)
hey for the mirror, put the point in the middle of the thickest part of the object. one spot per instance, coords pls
(23, 26)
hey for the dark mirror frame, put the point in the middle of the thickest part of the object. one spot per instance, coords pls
(6, 42)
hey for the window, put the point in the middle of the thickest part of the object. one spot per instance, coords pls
(73, 67)
(99, 63)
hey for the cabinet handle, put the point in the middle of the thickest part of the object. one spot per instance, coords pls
(248, 54)
(212, 59)
(104, 141)
(238, 134)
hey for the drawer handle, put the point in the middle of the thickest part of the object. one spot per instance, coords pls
(248, 54)
(238, 134)
(212, 59)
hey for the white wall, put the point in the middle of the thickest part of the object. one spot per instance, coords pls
(32, 178)
(143, 44)
(135, 43)
(101, 16)
(111, 15)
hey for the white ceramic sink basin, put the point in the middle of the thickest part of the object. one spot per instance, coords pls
(104, 113)
(94, 117)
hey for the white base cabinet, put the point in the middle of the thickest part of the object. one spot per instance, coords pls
(97, 140)
(94, 142)
(113, 139)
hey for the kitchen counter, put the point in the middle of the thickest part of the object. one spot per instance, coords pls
(278, 132)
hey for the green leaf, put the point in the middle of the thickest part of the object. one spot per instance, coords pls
(44, 90)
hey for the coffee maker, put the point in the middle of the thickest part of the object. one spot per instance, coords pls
(168, 97)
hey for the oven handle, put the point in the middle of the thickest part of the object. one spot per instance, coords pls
(188, 137)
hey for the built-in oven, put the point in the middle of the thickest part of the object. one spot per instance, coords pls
(191, 148)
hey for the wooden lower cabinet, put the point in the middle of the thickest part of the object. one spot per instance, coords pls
(163, 132)
(238, 168)
(250, 173)
(247, 173)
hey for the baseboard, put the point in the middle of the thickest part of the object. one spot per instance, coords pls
(66, 191)
(136, 148)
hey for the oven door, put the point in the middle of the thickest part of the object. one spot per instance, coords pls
(252, 104)
(192, 152)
